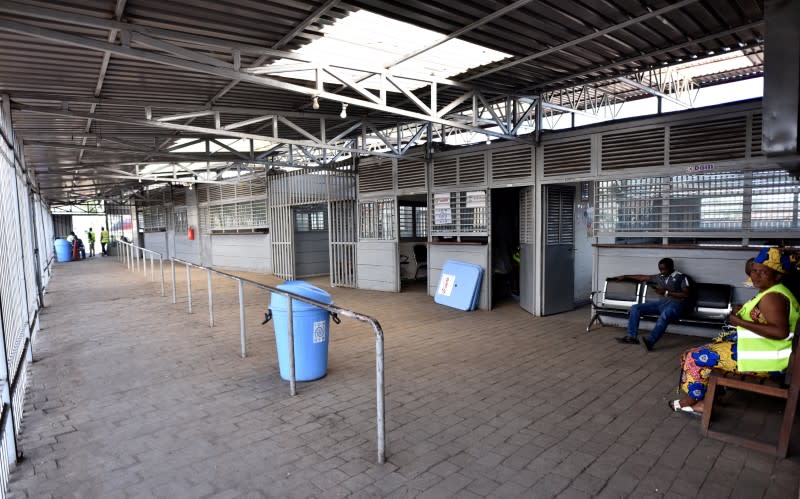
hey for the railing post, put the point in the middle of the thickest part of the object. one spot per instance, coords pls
(210, 302)
(128, 258)
(242, 330)
(379, 395)
(161, 271)
(152, 269)
(174, 291)
(144, 262)
(189, 286)
(292, 373)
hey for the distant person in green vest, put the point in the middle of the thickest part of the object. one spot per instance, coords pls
(761, 343)
(104, 240)
(91, 238)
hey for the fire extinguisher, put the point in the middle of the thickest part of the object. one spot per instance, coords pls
(191, 233)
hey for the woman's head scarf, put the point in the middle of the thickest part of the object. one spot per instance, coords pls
(774, 259)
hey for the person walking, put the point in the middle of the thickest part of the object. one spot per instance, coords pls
(91, 238)
(104, 240)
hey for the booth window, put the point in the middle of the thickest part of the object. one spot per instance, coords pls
(692, 207)
(181, 220)
(413, 222)
(310, 220)
(376, 220)
(152, 219)
(460, 213)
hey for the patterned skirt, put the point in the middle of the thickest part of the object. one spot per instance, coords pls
(697, 363)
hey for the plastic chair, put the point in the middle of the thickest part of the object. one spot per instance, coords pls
(421, 256)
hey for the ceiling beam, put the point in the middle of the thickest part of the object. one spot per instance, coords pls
(219, 133)
(597, 34)
(92, 44)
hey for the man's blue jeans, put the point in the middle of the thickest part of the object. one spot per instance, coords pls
(668, 311)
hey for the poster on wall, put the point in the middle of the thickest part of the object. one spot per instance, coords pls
(476, 199)
(442, 214)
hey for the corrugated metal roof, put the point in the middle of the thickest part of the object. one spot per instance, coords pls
(552, 45)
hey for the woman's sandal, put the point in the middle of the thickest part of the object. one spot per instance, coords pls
(675, 405)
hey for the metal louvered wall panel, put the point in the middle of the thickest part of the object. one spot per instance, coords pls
(567, 158)
(445, 171)
(755, 136)
(27, 245)
(472, 169)
(411, 173)
(526, 233)
(560, 228)
(706, 141)
(512, 163)
(633, 149)
(375, 174)
(12, 277)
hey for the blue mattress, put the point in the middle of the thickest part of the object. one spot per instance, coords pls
(459, 285)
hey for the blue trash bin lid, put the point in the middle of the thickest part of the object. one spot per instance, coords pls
(302, 288)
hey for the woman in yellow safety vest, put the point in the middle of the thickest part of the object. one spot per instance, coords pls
(762, 342)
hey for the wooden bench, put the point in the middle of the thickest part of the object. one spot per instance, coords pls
(711, 302)
(788, 390)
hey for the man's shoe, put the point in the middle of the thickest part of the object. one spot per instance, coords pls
(627, 340)
(647, 344)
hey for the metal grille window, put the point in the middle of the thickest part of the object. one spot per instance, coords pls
(153, 218)
(460, 213)
(376, 219)
(701, 205)
(248, 215)
(413, 221)
(310, 220)
(234, 207)
(181, 219)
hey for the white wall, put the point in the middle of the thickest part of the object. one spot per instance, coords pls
(156, 241)
(377, 263)
(584, 256)
(251, 252)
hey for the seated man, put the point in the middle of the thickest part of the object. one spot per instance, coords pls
(674, 290)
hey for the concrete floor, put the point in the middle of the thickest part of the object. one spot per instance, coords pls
(130, 396)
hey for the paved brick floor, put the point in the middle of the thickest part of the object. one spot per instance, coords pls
(130, 396)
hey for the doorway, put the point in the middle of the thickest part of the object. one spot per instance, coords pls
(505, 245)
(412, 216)
(311, 248)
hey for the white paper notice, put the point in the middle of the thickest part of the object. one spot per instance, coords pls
(446, 284)
(442, 215)
(476, 199)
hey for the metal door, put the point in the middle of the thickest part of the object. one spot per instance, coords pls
(342, 229)
(526, 246)
(559, 250)
(282, 242)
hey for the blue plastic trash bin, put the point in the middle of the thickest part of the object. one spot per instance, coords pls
(311, 328)
(63, 250)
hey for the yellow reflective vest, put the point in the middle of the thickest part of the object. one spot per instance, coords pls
(756, 353)
(104, 236)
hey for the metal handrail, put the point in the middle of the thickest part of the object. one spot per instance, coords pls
(130, 256)
(333, 309)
